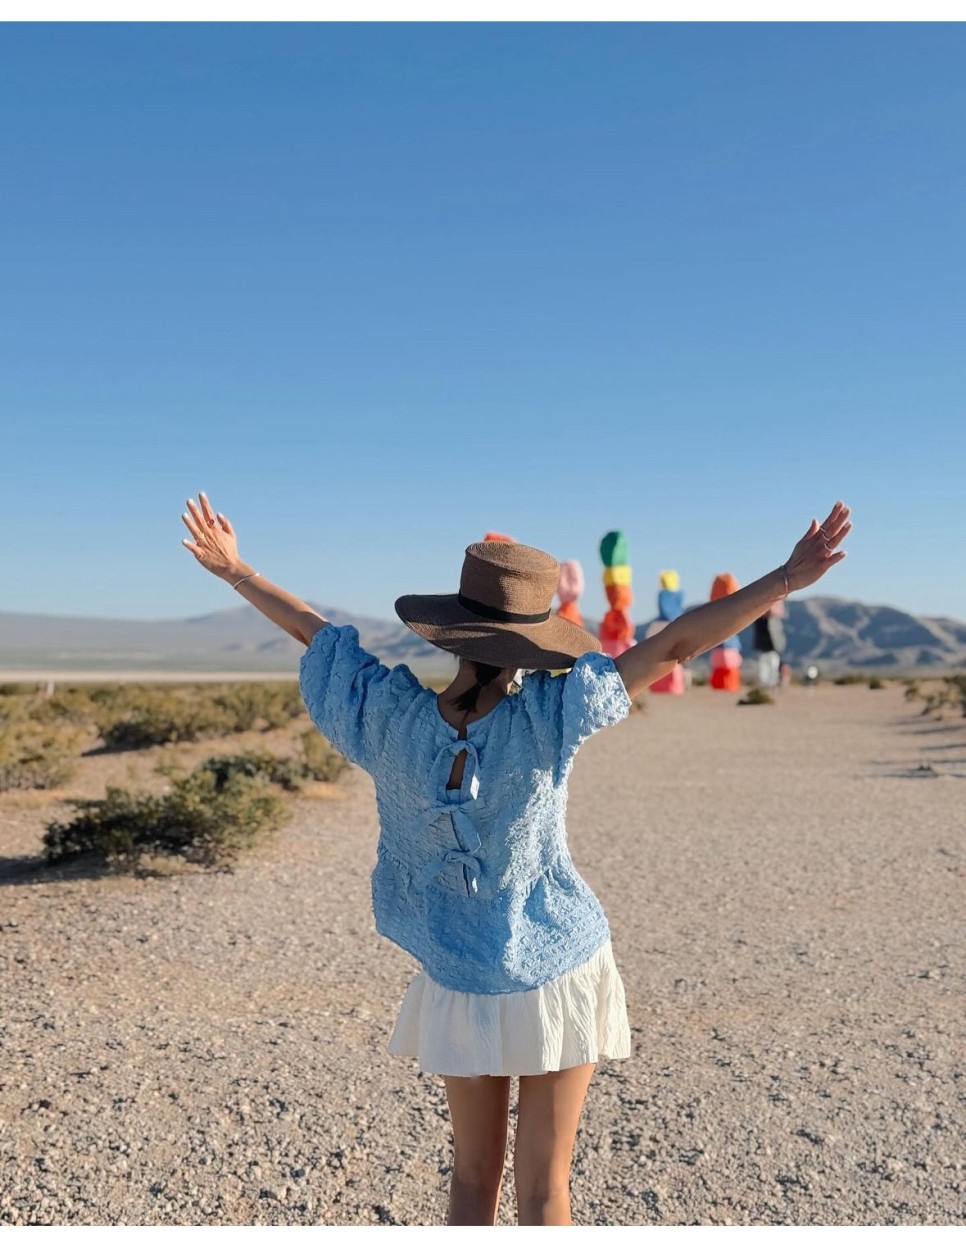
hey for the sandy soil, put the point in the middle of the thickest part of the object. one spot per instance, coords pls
(785, 887)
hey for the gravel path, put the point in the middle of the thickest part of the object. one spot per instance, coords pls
(785, 888)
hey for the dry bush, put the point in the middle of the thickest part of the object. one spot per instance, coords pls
(198, 821)
(140, 715)
(263, 706)
(161, 716)
(950, 694)
(319, 760)
(36, 756)
(285, 772)
(756, 696)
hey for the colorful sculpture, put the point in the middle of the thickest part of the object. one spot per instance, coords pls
(670, 605)
(569, 590)
(495, 535)
(726, 658)
(616, 630)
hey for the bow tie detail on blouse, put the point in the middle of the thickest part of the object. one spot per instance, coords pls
(454, 803)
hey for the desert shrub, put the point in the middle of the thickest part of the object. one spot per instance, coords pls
(36, 756)
(198, 820)
(13, 709)
(246, 705)
(140, 715)
(847, 680)
(756, 696)
(286, 772)
(161, 717)
(70, 704)
(62, 707)
(699, 680)
(951, 695)
(876, 684)
(318, 759)
(17, 689)
(912, 691)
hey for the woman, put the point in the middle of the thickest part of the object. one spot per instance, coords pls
(473, 876)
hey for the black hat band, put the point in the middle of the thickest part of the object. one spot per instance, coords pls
(500, 615)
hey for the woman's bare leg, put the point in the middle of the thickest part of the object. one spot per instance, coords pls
(550, 1109)
(479, 1107)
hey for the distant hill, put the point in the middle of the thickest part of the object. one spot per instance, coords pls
(835, 634)
(846, 634)
(230, 639)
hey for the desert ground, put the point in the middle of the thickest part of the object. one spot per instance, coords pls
(786, 890)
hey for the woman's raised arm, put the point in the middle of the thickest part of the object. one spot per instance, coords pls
(700, 629)
(216, 548)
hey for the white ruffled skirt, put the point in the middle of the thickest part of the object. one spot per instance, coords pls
(579, 1017)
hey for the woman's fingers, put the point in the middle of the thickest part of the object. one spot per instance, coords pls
(834, 517)
(206, 509)
(834, 536)
(813, 529)
(226, 525)
(192, 525)
(196, 513)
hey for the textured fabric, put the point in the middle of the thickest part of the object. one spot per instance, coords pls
(579, 1017)
(477, 882)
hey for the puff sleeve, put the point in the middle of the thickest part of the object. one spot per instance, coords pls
(568, 709)
(349, 694)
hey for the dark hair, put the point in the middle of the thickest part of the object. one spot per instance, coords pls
(484, 674)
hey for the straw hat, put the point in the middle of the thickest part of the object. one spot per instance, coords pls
(501, 614)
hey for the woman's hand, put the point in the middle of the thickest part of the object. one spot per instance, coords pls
(216, 545)
(815, 554)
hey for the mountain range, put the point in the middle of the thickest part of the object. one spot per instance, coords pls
(834, 634)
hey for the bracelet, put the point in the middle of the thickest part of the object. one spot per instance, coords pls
(243, 578)
(785, 577)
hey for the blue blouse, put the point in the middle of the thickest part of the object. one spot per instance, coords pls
(475, 882)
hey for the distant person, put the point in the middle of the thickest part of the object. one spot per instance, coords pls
(473, 874)
(770, 644)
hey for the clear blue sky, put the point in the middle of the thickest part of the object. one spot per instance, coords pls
(379, 288)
